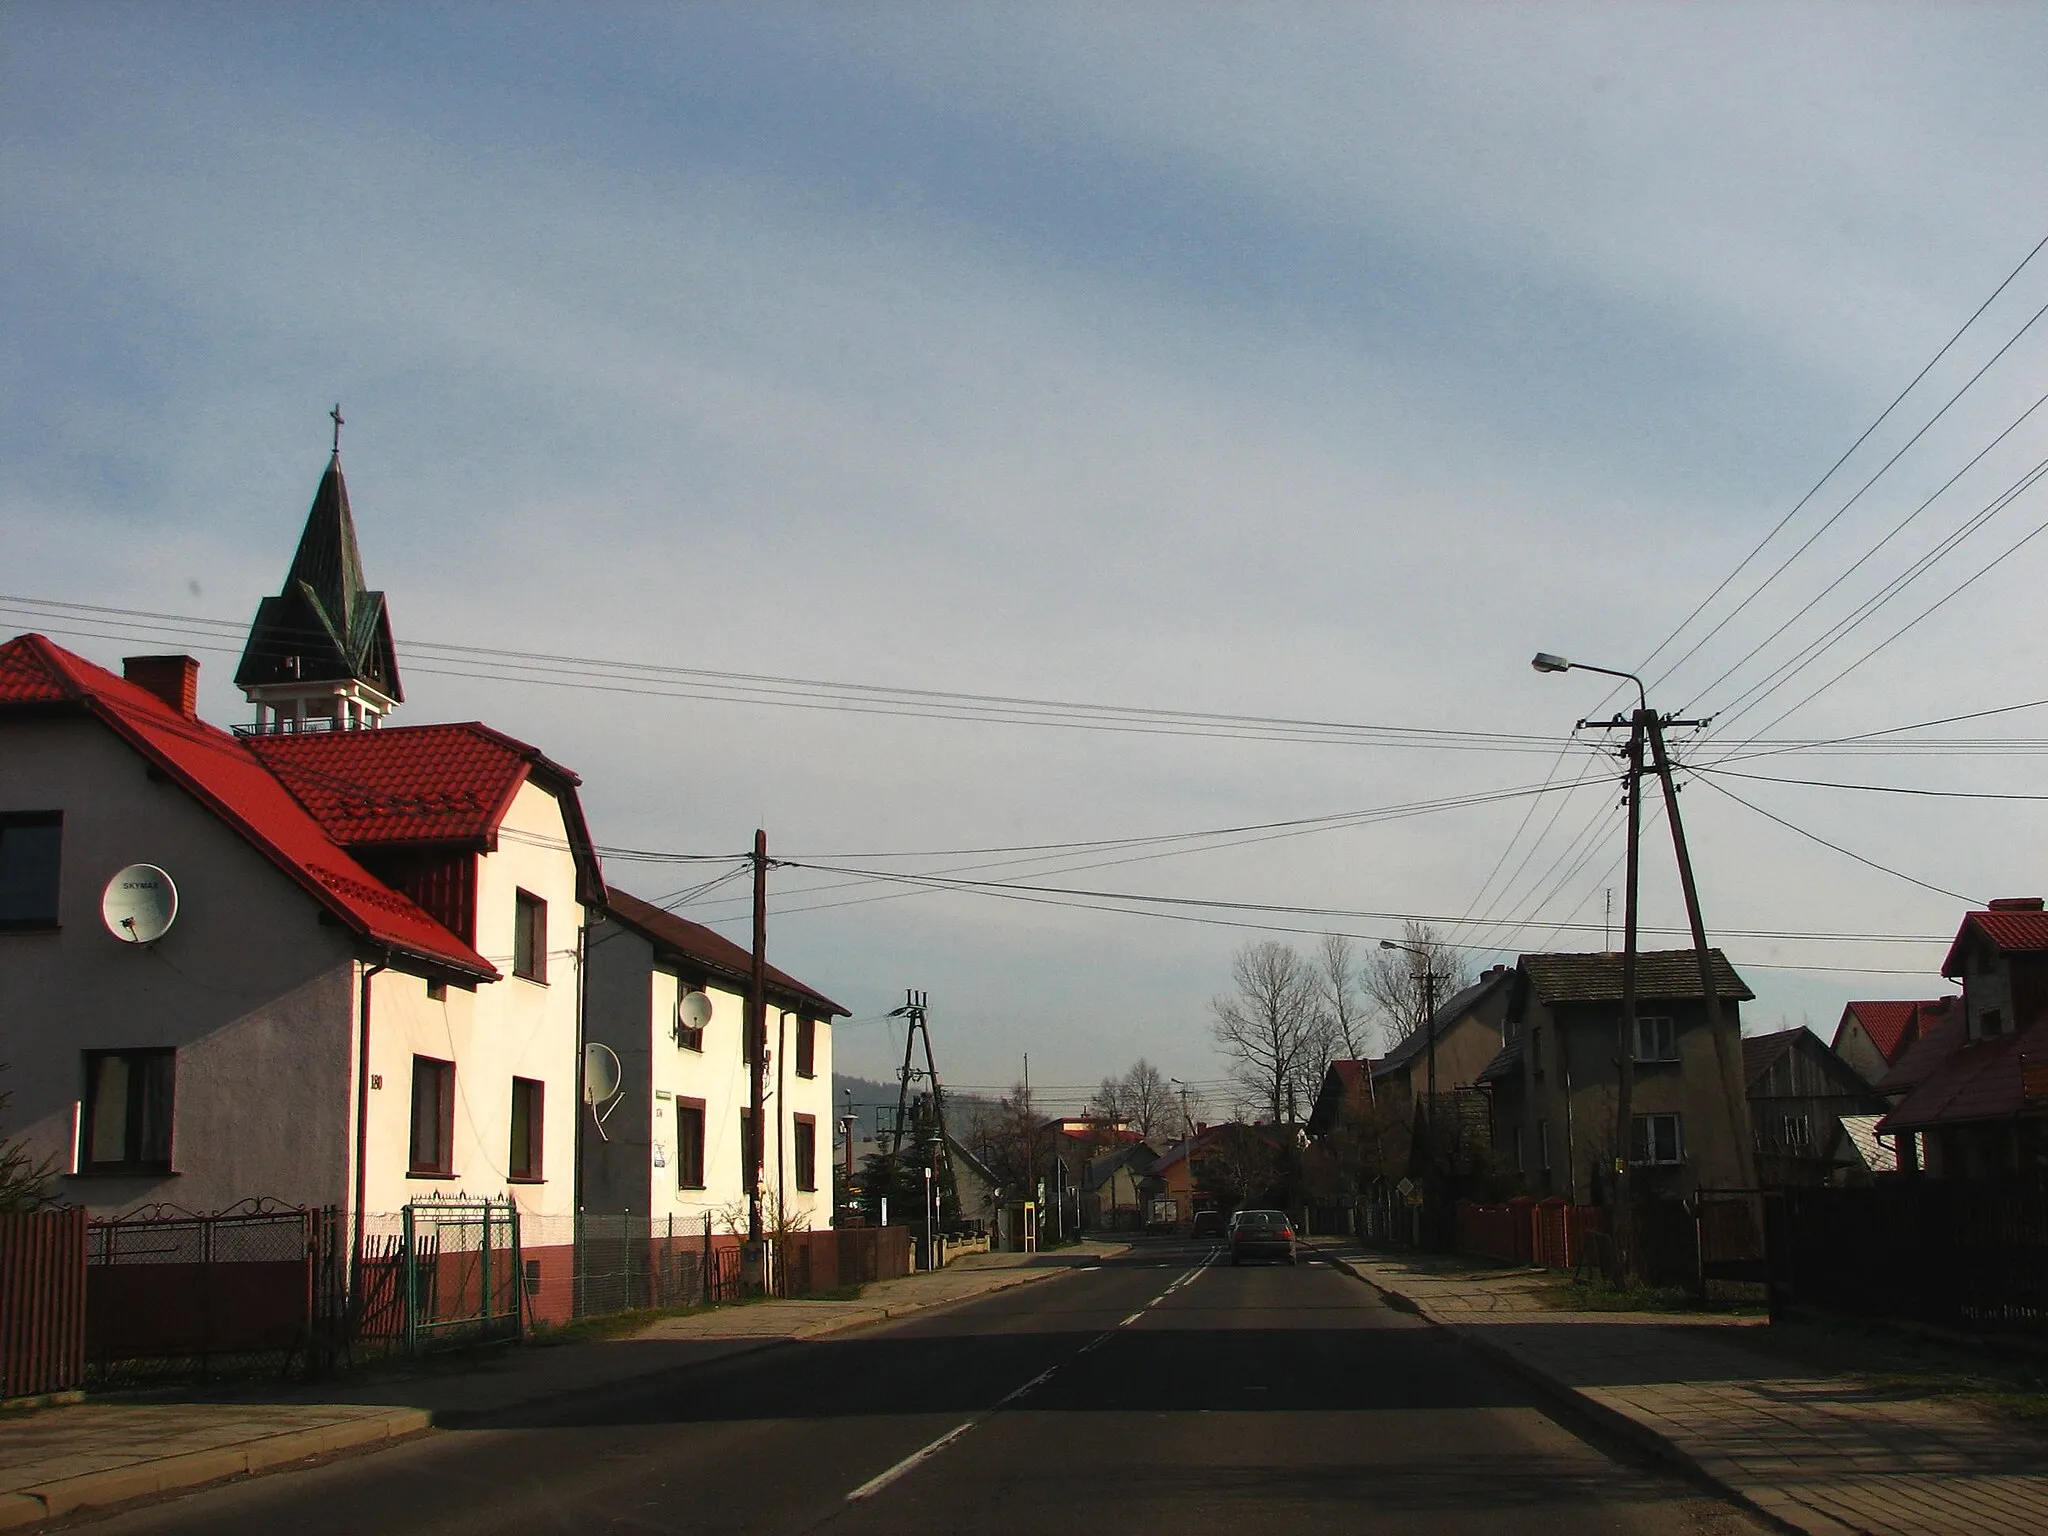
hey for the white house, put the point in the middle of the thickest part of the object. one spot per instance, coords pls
(674, 1143)
(369, 991)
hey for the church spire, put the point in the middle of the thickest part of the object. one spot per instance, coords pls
(320, 654)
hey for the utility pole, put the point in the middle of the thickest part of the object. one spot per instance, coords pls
(757, 1036)
(1647, 726)
(1726, 1049)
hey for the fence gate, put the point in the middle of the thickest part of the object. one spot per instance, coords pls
(460, 1275)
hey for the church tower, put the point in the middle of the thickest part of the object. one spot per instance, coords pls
(320, 656)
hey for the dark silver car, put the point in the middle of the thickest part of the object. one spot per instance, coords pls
(1267, 1235)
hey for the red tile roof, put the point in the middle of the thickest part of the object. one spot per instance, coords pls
(223, 774)
(1891, 1026)
(2009, 933)
(401, 784)
(712, 950)
(1965, 1079)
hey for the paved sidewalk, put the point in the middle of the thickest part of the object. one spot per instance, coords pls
(101, 1452)
(1813, 1452)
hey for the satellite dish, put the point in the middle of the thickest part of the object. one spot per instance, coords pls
(694, 1010)
(601, 1073)
(139, 904)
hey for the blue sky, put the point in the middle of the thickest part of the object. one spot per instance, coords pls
(1305, 361)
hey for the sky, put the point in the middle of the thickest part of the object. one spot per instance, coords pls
(1306, 363)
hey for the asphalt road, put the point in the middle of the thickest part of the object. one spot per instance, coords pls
(1159, 1393)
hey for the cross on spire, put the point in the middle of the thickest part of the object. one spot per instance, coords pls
(336, 414)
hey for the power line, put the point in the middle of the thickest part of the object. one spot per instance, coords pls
(1875, 789)
(1837, 847)
(1834, 468)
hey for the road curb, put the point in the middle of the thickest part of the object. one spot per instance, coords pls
(1766, 1503)
(194, 1469)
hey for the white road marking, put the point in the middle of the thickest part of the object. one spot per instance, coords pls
(881, 1480)
(876, 1484)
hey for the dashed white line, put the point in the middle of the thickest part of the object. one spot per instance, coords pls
(881, 1480)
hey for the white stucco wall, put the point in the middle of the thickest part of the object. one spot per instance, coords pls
(718, 1076)
(493, 1033)
(250, 986)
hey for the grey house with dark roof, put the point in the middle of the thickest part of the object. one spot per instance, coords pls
(1555, 1081)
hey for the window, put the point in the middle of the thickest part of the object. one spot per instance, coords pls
(1656, 1040)
(1518, 1149)
(1536, 1051)
(527, 1098)
(29, 846)
(1654, 1139)
(126, 1119)
(806, 1048)
(689, 1143)
(433, 1117)
(529, 937)
(1990, 1024)
(746, 1148)
(1796, 1131)
(687, 1039)
(1543, 1142)
(806, 1152)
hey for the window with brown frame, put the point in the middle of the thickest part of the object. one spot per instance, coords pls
(433, 1117)
(528, 1098)
(689, 1143)
(806, 1128)
(529, 936)
(125, 1122)
(806, 1048)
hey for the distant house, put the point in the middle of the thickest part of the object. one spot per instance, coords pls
(1116, 1186)
(976, 1187)
(1391, 1089)
(673, 1146)
(1799, 1090)
(1872, 1036)
(1555, 1083)
(1973, 1090)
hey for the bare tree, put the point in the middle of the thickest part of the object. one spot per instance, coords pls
(1149, 1103)
(1392, 979)
(1345, 1002)
(1269, 1026)
(1111, 1101)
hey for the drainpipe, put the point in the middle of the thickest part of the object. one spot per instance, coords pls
(362, 1128)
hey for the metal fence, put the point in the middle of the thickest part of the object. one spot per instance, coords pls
(42, 1302)
(450, 1274)
(173, 1293)
(622, 1262)
(1969, 1256)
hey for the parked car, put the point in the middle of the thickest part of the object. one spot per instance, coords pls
(1207, 1224)
(1262, 1235)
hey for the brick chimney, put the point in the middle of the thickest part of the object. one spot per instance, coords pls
(2015, 904)
(174, 679)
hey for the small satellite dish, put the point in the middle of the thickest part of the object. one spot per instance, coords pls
(601, 1073)
(139, 904)
(693, 1011)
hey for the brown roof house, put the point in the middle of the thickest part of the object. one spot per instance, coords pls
(1799, 1091)
(1555, 1082)
(1358, 1098)
(1973, 1090)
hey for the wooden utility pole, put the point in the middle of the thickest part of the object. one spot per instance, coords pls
(757, 1037)
(1727, 1047)
(1624, 1211)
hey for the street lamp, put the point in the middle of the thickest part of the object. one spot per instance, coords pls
(1429, 1027)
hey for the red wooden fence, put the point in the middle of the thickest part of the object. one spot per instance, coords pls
(42, 1302)
(1548, 1234)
